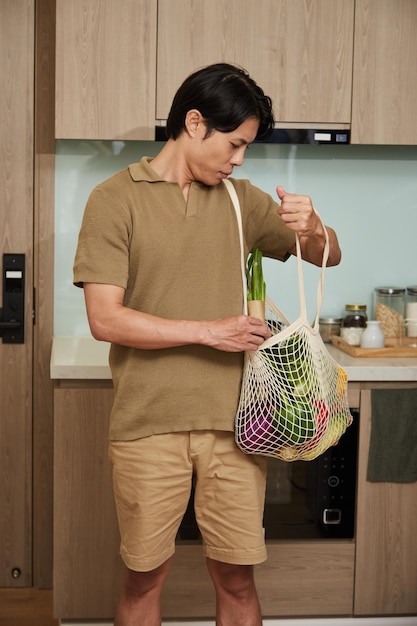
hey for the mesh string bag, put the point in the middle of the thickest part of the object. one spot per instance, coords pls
(293, 402)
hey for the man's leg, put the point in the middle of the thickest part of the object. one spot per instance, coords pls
(139, 601)
(144, 492)
(237, 601)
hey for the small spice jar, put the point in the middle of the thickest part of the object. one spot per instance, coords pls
(390, 309)
(411, 311)
(354, 323)
(329, 326)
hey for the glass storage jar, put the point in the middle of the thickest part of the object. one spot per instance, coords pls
(411, 311)
(354, 323)
(329, 326)
(390, 309)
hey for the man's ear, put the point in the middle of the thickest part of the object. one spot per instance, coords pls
(194, 122)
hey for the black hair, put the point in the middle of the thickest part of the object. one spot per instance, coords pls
(226, 96)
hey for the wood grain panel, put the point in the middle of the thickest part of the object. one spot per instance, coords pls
(384, 75)
(299, 578)
(26, 607)
(299, 51)
(87, 566)
(16, 236)
(307, 578)
(105, 69)
(386, 561)
(44, 208)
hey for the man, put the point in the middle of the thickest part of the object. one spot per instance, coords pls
(159, 260)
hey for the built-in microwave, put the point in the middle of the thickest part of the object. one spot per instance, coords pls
(306, 499)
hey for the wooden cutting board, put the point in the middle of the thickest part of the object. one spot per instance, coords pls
(394, 347)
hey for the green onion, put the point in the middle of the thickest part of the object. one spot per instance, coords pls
(254, 277)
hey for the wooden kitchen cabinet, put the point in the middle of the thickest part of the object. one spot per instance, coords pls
(299, 52)
(87, 567)
(118, 65)
(374, 574)
(299, 578)
(386, 546)
(105, 69)
(327, 63)
(384, 97)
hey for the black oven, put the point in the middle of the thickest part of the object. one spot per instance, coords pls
(306, 499)
(314, 499)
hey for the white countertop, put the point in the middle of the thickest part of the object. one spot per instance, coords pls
(85, 358)
(79, 358)
(376, 368)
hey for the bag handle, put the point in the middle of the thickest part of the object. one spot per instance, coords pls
(236, 205)
(320, 287)
(301, 293)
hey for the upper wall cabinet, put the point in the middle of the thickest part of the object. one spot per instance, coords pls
(385, 71)
(105, 69)
(119, 64)
(299, 51)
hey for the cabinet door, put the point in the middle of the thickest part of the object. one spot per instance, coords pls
(386, 547)
(105, 69)
(87, 567)
(299, 52)
(17, 21)
(384, 76)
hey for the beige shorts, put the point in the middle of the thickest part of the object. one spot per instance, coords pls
(152, 481)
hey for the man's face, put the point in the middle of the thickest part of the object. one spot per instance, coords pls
(214, 157)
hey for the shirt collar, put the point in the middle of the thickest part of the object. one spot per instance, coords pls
(142, 171)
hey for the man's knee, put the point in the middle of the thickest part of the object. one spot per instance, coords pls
(237, 580)
(137, 584)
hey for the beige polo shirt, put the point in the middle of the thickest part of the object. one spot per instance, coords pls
(178, 260)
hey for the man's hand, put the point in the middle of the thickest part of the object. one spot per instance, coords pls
(298, 214)
(236, 334)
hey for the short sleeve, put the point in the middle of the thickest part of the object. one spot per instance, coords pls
(102, 254)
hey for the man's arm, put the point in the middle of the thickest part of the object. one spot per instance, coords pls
(111, 321)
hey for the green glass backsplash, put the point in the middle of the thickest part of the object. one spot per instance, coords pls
(367, 193)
